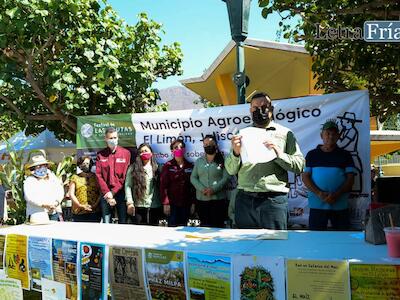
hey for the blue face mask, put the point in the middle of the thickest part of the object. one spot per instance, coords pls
(41, 172)
(112, 142)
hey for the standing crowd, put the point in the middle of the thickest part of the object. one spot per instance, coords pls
(143, 192)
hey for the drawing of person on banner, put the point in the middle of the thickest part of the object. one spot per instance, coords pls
(348, 140)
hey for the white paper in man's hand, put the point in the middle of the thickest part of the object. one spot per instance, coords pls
(253, 149)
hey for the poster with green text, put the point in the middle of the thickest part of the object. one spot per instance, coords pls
(375, 282)
(165, 274)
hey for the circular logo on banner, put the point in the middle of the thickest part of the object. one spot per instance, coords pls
(87, 130)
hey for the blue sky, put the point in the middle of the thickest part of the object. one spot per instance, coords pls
(200, 26)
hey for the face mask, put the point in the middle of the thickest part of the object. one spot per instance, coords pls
(261, 115)
(146, 155)
(85, 169)
(112, 142)
(210, 149)
(179, 152)
(41, 172)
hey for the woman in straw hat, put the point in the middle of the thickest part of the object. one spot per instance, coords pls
(43, 191)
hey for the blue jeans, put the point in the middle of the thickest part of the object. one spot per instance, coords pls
(318, 219)
(54, 217)
(261, 210)
(107, 210)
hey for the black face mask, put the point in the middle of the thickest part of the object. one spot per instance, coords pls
(210, 149)
(261, 115)
(85, 169)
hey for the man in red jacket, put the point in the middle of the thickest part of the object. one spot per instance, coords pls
(111, 166)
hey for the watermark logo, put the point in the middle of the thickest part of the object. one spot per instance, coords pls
(382, 31)
(373, 31)
(339, 33)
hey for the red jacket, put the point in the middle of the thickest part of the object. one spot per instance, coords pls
(175, 186)
(111, 169)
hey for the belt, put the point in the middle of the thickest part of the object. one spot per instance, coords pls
(265, 194)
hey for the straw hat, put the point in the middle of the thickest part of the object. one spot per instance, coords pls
(39, 218)
(37, 158)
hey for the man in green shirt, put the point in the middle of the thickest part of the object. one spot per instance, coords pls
(261, 201)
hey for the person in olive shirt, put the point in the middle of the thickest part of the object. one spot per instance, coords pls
(209, 177)
(261, 201)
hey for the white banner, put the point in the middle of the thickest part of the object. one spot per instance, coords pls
(304, 116)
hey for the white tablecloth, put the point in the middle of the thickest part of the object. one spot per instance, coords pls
(300, 244)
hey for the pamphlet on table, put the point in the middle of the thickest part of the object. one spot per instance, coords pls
(165, 274)
(314, 279)
(39, 254)
(17, 259)
(126, 273)
(209, 276)
(65, 261)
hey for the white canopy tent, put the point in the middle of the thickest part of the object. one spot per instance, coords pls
(46, 140)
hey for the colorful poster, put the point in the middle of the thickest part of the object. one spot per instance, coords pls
(209, 277)
(259, 277)
(92, 277)
(165, 274)
(53, 290)
(375, 282)
(126, 274)
(39, 254)
(64, 266)
(2, 244)
(10, 289)
(312, 279)
(17, 258)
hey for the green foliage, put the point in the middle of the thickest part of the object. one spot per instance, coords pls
(206, 103)
(66, 58)
(12, 176)
(392, 123)
(346, 64)
(65, 169)
(163, 106)
(9, 126)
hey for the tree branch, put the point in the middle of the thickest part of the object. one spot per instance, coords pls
(12, 106)
(43, 118)
(67, 128)
(13, 54)
(42, 97)
(360, 9)
(377, 13)
(46, 44)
